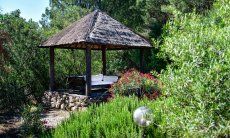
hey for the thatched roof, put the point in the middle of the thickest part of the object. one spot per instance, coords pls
(97, 30)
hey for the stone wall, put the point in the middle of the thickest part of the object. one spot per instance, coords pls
(65, 101)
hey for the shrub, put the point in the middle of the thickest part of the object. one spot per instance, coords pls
(32, 125)
(198, 78)
(134, 82)
(26, 68)
(110, 120)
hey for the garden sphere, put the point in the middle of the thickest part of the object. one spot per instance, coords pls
(143, 116)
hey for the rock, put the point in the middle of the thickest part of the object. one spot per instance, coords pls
(58, 98)
(57, 105)
(71, 105)
(53, 105)
(77, 99)
(78, 104)
(46, 96)
(72, 99)
(62, 106)
(74, 108)
(58, 102)
(50, 93)
(64, 96)
(53, 99)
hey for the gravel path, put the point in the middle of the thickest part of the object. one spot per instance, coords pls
(54, 117)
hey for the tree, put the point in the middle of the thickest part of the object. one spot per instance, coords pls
(197, 80)
(27, 70)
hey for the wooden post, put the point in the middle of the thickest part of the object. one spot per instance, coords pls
(104, 60)
(142, 60)
(52, 71)
(88, 71)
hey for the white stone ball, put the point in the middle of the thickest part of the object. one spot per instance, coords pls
(143, 116)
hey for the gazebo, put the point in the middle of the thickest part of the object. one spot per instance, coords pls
(95, 31)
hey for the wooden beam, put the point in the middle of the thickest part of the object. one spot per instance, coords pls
(52, 71)
(142, 60)
(88, 71)
(104, 60)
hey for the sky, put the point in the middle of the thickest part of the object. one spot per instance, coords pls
(29, 8)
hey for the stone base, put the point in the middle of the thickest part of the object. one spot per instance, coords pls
(65, 101)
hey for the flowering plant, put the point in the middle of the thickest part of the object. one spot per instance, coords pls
(134, 82)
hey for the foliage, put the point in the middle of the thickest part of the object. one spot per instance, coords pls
(198, 78)
(146, 17)
(4, 37)
(32, 125)
(186, 6)
(130, 9)
(111, 120)
(196, 85)
(55, 19)
(133, 81)
(26, 69)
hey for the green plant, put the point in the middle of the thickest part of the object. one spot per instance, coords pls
(113, 119)
(26, 70)
(32, 125)
(198, 78)
(149, 83)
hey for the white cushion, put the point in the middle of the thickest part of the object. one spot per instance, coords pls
(98, 77)
(110, 78)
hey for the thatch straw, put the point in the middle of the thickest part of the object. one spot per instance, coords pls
(97, 30)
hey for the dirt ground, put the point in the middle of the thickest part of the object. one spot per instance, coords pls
(10, 123)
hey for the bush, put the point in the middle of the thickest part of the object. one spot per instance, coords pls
(110, 120)
(26, 68)
(32, 125)
(134, 82)
(198, 78)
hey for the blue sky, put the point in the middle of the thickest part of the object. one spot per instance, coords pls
(29, 8)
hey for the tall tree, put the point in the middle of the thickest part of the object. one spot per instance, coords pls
(27, 70)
